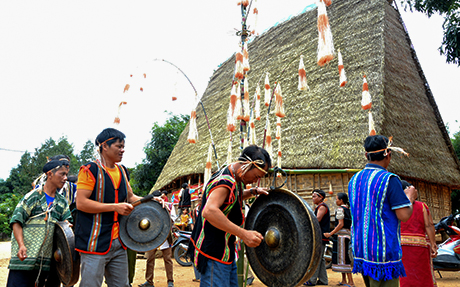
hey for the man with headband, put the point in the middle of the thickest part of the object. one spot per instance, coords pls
(220, 218)
(33, 228)
(378, 204)
(103, 193)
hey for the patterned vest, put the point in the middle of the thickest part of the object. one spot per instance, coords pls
(93, 232)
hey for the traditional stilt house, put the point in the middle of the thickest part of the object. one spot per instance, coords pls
(325, 126)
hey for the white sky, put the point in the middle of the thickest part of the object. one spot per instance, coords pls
(63, 65)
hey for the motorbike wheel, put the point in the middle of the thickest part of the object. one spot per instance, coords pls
(180, 254)
(328, 256)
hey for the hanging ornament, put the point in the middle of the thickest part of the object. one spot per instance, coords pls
(279, 156)
(229, 151)
(302, 76)
(343, 77)
(207, 169)
(145, 75)
(192, 131)
(141, 89)
(244, 142)
(279, 110)
(126, 87)
(246, 100)
(245, 3)
(267, 91)
(268, 139)
(117, 118)
(328, 2)
(366, 101)
(246, 67)
(231, 114)
(238, 107)
(257, 102)
(278, 128)
(252, 132)
(256, 16)
(371, 125)
(239, 71)
(325, 41)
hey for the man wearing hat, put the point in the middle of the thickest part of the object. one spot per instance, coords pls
(378, 204)
(324, 217)
(33, 228)
(185, 200)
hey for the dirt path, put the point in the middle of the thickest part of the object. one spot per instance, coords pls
(183, 275)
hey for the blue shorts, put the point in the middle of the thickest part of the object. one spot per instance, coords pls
(219, 275)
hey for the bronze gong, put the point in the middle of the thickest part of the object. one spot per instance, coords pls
(292, 248)
(66, 259)
(146, 227)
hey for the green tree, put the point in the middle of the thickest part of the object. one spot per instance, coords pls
(87, 154)
(157, 152)
(450, 10)
(8, 203)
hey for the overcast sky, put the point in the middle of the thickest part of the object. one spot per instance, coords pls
(63, 65)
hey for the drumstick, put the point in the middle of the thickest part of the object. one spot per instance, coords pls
(142, 200)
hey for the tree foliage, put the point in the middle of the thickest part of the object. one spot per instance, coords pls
(157, 152)
(450, 9)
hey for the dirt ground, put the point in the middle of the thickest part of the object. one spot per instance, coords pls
(183, 275)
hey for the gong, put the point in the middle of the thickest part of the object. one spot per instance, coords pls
(292, 248)
(146, 227)
(66, 259)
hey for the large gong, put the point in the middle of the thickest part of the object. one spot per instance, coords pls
(146, 227)
(291, 249)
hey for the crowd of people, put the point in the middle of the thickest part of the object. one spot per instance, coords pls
(380, 229)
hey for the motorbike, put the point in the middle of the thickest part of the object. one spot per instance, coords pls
(180, 247)
(328, 254)
(448, 258)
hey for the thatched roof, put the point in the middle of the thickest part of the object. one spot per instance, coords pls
(325, 127)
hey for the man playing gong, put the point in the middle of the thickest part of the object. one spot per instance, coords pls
(220, 219)
(103, 193)
(33, 228)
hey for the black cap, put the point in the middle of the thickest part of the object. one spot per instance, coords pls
(405, 184)
(184, 185)
(52, 164)
(374, 143)
(156, 193)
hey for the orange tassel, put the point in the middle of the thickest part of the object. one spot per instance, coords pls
(279, 156)
(267, 90)
(252, 134)
(325, 41)
(246, 100)
(239, 70)
(145, 75)
(279, 109)
(131, 75)
(327, 2)
(256, 16)
(278, 128)
(142, 89)
(231, 113)
(366, 102)
(207, 170)
(371, 125)
(246, 67)
(268, 138)
(192, 132)
(257, 100)
(174, 98)
(302, 76)
(117, 120)
(343, 77)
(126, 88)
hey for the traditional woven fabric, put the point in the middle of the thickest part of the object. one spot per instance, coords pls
(375, 227)
(209, 242)
(37, 233)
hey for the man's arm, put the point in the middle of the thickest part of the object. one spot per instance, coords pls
(429, 227)
(322, 210)
(85, 204)
(18, 235)
(212, 213)
(404, 213)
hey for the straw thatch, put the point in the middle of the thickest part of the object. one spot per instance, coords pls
(325, 127)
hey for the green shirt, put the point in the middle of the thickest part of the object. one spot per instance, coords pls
(38, 233)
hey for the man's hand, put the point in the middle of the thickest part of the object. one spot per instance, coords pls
(123, 208)
(22, 252)
(327, 234)
(252, 238)
(163, 203)
(434, 250)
